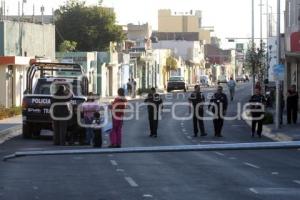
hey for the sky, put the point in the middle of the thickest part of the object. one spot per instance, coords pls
(230, 18)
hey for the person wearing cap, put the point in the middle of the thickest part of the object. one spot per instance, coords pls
(89, 108)
(61, 111)
(154, 103)
(257, 102)
(196, 100)
(218, 104)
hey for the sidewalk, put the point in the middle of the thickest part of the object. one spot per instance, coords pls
(10, 127)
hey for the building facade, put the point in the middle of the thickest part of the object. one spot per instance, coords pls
(191, 21)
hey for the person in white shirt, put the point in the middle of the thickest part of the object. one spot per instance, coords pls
(231, 86)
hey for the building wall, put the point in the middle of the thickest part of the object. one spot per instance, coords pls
(3, 96)
(35, 39)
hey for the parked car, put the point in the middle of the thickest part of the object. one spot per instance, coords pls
(176, 83)
(240, 78)
(222, 79)
(204, 81)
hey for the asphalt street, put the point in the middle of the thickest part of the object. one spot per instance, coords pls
(263, 174)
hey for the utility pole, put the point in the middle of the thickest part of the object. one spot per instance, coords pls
(278, 96)
(253, 49)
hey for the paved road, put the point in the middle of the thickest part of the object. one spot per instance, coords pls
(166, 176)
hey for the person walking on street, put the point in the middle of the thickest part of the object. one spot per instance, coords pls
(61, 113)
(154, 102)
(129, 87)
(257, 111)
(197, 101)
(231, 85)
(89, 109)
(219, 105)
(133, 88)
(117, 106)
(292, 104)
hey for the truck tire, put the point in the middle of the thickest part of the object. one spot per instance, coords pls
(26, 131)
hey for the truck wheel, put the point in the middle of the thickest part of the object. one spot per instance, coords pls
(26, 131)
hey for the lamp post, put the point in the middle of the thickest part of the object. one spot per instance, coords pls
(277, 114)
(252, 43)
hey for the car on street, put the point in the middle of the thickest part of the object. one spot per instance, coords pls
(240, 78)
(222, 79)
(176, 83)
(204, 81)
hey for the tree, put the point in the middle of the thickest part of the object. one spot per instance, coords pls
(257, 57)
(92, 27)
(171, 64)
(67, 46)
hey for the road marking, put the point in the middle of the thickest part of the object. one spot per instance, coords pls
(104, 142)
(113, 162)
(120, 170)
(253, 190)
(35, 187)
(275, 173)
(131, 182)
(185, 133)
(251, 165)
(189, 137)
(220, 154)
(296, 181)
(183, 130)
(232, 158)
(147, 196)
(193, 140)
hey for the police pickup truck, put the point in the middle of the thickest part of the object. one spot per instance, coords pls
(38, 97)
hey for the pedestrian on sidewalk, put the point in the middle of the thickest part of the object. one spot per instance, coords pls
(258, 102)
(231, 86)
(154, 103)
(129, 87)
(62, 109)
(197, 101)
(133, 88)
(89, 108)
(117, 106)
(292, 104)
(219, 104)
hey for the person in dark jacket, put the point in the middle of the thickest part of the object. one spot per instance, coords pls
(197, 100)
(154, 102)
(61, 111)
(257, 111)
(292, 105)
(219, 103)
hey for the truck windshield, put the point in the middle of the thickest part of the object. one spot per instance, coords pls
(44, 88)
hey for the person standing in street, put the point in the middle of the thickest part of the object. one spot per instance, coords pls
(219, 105)
(154, 102)
(117, 106)
(231, 86)
(61, 111)
(257, 111)
(133, 88)
(89, 109)
(129, 87)
(197, 101)
(292, 105)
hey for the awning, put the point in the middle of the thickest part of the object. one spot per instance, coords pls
(14, 60)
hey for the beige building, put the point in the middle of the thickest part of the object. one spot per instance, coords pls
(182, 22)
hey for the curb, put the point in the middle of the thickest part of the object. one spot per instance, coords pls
(10, 133)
